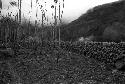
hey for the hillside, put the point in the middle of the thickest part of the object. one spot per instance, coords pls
(96, 22)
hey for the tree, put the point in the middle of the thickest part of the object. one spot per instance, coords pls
(0, 4)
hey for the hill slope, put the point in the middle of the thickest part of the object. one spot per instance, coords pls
(96, 22)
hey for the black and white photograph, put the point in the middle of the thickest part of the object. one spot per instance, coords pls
(62, 41)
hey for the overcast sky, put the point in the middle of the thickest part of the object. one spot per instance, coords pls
(72, 8)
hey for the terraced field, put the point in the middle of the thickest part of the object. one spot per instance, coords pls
(67, 63)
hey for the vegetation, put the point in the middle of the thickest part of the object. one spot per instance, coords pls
(47, 62)
(37, 58)
(97, 21)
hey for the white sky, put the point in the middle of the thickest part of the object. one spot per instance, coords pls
(72, 10)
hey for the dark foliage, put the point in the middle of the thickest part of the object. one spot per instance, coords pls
(47, 62)
(5, 56)
(108, 53)
(120, 64)
(2, 46)
(8, 29)
(5, 75)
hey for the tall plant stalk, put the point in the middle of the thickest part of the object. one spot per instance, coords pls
(55, 24)
(0, 4)
(20, 2)
(60, 22)
(42, 24)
